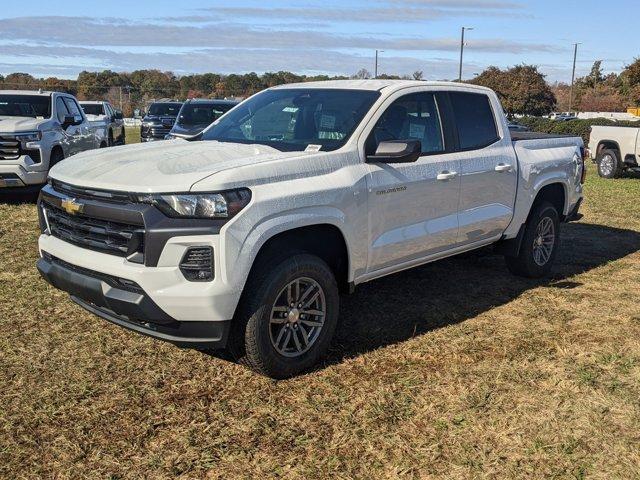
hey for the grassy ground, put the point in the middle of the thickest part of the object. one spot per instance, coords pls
(454, 369)
(132, 134)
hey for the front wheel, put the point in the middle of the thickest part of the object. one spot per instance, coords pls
(288, 316)
(539, 244)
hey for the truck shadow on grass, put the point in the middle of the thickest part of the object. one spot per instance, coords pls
(413, 302)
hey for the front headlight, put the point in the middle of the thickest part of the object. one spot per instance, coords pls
(27, 137)
(199, 205)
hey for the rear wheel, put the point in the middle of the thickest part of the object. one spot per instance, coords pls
(288, 315)
(539, 244)
(609, 164)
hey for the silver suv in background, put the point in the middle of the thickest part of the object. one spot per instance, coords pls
(102, 115)
(197, 114)
(37, 130)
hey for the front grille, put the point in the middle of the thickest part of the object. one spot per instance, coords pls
(96, 234)
(9, 148)
(78, 192)
(160, 132)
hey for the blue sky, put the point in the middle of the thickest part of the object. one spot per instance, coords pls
(62, 38)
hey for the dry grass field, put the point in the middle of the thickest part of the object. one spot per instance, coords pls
(455, 370)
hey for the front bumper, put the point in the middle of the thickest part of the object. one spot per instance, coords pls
(126, 304)
(22, 172)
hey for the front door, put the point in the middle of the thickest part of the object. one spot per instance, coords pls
(83, 137)
(413, 207)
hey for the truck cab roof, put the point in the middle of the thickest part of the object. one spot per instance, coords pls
(29, 92)
(388, 86)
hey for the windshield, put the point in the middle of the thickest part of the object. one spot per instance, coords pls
(295, 119)
(25, 105)
(202, 113)
(164, 109)
(92, 108)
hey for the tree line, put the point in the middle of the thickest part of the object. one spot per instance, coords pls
(522, 89)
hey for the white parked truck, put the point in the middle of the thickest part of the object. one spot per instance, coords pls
(102, 115)
(244, 238)
(37, 130)
(615, 150)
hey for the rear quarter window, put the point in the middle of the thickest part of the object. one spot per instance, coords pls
(474, 119)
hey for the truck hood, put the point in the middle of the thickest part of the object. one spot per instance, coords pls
(167, 166)
(19, 124)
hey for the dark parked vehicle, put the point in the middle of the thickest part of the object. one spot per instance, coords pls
(159, 120)
(197, 114)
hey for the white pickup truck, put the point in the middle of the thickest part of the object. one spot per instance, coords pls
(37, 130)
(244, 239)
(101, 114)
(615, 150)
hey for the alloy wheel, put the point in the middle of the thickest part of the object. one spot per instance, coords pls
(544, 241)
(297, 317)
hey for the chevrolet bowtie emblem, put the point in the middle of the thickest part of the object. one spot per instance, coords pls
(71, 206)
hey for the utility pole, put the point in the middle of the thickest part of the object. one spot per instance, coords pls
(375, 70)
(120, 97)
(462, 51)
(573, 76)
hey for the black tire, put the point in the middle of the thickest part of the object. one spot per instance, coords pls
(609, 164)
(57, 155)
(529, 262)
(103, 145)
(252, 342)
(122, 138)
(110, 142)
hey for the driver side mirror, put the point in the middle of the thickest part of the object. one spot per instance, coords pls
(69, 120)
(396, 151)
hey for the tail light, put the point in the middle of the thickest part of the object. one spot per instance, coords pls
(584, 153)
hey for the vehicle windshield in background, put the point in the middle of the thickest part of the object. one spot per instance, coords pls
(295, 118)
(93, 109)
(201, 114)
(25, 106)
(164, 109)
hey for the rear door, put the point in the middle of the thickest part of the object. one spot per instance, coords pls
(488, 167)
(413, 207)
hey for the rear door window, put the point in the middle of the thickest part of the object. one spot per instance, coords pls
(474, 120)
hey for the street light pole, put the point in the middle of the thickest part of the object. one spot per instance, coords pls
(573, 76)
(375, 72)
(462, 51)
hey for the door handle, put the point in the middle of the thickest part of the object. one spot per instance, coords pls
(503, 167)
(446, 175)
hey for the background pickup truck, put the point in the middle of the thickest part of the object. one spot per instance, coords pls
(37, 130)
(243, 240)
(103, 115)
(615, 149)
(159, 120)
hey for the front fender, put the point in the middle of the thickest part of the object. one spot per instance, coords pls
(241, 252)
